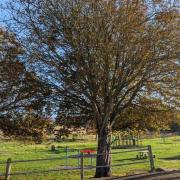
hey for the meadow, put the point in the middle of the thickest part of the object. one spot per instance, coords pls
(167, 152)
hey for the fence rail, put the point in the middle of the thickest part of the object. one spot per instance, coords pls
(33, 160)
(40, 172)
(80, 167)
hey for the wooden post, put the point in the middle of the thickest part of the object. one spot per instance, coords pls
(91, 159)
(126, 142)
(66, 156)
(82, 166)
(119, 139)
(134, 141)
(138, 141)
(53, 148)
(123, 141)
(78, 158)
(8, 169)
(151, 158)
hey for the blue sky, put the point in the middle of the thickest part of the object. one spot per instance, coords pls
(3, 13)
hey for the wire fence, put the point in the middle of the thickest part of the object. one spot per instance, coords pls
(144, 155)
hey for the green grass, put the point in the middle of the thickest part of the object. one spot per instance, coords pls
(167, 156)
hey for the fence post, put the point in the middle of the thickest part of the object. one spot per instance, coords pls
(66, 156)
(91, 159)
(151, 158)
(82, 166)
(78, 157)
(8, 169)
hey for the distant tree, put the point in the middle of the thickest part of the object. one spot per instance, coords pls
(19, 88)
(101, 57)
(149, 115)
(61, 133)
(174, 125)
(20, 91)
(26, 127)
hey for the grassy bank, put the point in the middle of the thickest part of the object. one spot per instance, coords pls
(167, 156)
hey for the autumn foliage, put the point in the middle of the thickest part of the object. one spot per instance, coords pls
(102, 59)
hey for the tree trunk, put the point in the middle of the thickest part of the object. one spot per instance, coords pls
(103, 156)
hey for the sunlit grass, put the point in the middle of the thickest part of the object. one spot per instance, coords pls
(167, 156)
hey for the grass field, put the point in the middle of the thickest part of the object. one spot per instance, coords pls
(167, 156)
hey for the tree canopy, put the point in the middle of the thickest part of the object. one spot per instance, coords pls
(21, 91)
(102, 57)
(19, 88)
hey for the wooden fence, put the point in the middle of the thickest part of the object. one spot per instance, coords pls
(81, 167)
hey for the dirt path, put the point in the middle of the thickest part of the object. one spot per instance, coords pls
(166, 175)
(169, 175)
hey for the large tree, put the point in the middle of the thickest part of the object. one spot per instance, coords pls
(101, 57)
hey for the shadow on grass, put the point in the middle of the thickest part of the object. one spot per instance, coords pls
(128, 159)
(127, 147)
(172, 158)
(176, 140)
(60, 150)
(165, 143)
(72, 140)
(55, 152)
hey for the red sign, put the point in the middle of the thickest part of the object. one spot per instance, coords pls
(88, 151)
